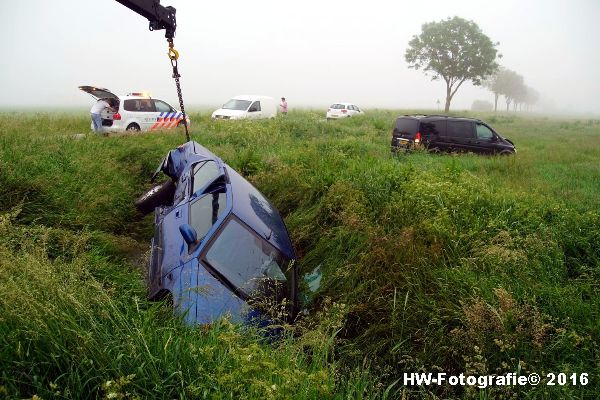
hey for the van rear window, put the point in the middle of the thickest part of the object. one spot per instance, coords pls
(406, 127)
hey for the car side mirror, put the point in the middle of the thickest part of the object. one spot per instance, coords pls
(189, 235)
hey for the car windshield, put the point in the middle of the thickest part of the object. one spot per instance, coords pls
(252, 265)
(234, 104)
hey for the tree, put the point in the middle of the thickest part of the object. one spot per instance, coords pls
(520, 96)
(494, 84)
(512, 87)
(532, 97)
(508, 83)
(455, 50)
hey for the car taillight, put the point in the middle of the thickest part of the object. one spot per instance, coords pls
(344, 111)
(117, 117)
(418, 137)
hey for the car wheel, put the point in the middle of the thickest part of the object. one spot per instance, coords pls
(434, 150)
(133, 127)
(505, 153)
(159, 195)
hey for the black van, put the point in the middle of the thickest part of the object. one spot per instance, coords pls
(439, 133)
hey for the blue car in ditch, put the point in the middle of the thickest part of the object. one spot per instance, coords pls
(220, 248)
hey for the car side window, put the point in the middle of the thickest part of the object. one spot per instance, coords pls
(254, 107)
(429, 128)
(146, 105)
(204, 173)
(483, 132)
(206, 211)
(129, 105)
(459, 129)
(161, 106)
(138, 105)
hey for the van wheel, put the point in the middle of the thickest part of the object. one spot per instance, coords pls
(159, 195)
(133, 127)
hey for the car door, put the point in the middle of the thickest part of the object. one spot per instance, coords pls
(147, 113)
(168, 238)
(255, 111)
(165, 117)
(460, 135)
(432, 134)
(484, 143)
(140, 111)
(198, 293)
(167, 246)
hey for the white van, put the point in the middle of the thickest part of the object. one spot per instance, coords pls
(250, 107)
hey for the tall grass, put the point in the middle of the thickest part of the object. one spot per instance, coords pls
(454, 263)
(77, 326)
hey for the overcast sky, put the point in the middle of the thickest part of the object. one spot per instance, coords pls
(312, 52)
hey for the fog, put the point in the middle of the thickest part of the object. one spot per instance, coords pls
(312, 52)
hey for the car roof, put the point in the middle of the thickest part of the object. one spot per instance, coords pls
(129, 97)
(249, 205)
(433, 116)
(258, 213)
(250, 97)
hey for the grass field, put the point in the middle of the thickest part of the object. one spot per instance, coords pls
(454, 263)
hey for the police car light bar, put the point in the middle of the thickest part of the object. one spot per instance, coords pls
(141, 94)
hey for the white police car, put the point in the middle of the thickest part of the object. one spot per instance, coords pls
(135, 112)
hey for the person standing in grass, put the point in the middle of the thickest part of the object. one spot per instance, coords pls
(284, 106)
(96, 110)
